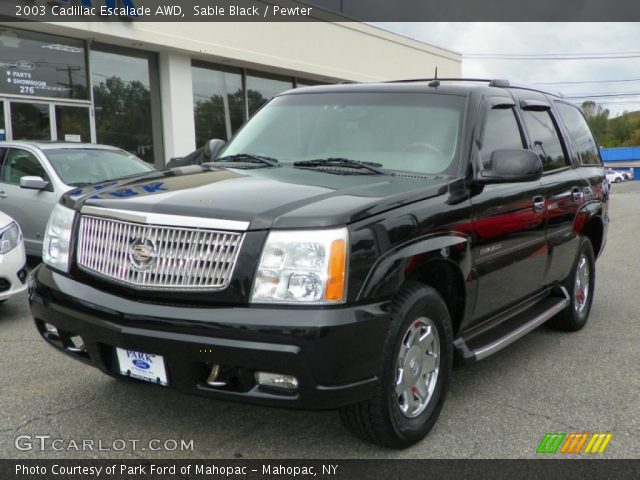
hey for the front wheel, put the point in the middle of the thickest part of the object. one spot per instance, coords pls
(414, 374)
(581, 286)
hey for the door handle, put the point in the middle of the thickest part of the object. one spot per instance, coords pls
(538, 204)
(3, 195)
(576, 194)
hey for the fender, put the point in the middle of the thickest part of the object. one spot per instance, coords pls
(392, 268)
(592, 210)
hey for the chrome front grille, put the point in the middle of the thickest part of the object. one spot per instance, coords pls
(157, 257)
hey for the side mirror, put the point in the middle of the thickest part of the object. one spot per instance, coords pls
(33, 183)
(212, 148)
(507, 166)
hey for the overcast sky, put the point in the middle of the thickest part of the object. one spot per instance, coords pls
(543, 38)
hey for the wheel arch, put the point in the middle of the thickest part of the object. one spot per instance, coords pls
(446, 278)
(442, 261)
(590, 224)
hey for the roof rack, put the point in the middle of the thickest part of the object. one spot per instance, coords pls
(411, 80)
(493, 82)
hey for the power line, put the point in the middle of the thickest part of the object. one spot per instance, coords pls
(603, 95)
(576, 82)
(553, 56)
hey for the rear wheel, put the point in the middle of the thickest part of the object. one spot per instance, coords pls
(618, 179)
(581, 285)
(414, 374)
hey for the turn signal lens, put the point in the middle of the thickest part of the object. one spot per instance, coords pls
(336, 274)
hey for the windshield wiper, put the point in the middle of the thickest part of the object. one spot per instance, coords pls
(246, 157)
(340, 162)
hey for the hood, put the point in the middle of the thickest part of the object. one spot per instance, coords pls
(283, 197)
(4, 220)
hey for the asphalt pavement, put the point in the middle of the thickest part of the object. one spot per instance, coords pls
(499, 408)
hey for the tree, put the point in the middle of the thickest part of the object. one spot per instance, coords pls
(123, 116)
(598, 119)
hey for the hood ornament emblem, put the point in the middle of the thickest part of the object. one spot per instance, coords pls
(142, 253)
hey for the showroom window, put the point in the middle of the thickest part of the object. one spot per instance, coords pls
(42, 65)
(262, 87)
(127, 101)
(218, 102)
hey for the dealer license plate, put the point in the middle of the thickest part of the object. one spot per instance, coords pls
(143, 366)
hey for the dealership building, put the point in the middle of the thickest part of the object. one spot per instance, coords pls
(160, 90)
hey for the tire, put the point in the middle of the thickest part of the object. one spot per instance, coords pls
(398, 420)
(618, 180)
(575, 316)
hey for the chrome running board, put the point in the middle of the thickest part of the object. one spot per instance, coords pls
(550, 310)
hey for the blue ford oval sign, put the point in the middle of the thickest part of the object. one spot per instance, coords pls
(141, 364)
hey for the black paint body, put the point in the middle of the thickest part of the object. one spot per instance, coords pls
(483, 247)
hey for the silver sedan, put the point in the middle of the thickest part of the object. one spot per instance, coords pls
(33, 177)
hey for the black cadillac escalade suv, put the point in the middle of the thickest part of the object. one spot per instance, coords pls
(347, 247)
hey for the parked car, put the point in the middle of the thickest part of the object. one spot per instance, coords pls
(627, 174)
(13, 261)
(614, 176)
(348, 246)
(34, 175)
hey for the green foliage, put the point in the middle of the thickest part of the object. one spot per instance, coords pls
(621, 131)
(123, 116)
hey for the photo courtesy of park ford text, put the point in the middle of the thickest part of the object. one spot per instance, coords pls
(319, 238)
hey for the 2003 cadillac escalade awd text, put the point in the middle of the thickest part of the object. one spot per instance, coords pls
(344, 250)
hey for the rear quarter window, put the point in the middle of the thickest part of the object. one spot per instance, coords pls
(580, 136)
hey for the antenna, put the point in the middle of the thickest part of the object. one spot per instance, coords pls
(435, 82)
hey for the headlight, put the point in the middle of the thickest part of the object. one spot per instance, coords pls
(302, 266)
(10, 238)
(57, 239)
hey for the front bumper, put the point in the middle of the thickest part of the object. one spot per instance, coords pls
(13, 273)
(333, 352)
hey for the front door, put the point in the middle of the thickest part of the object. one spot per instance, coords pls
(45, 121)
(73, 123)
(30, 121)
(509, 251)
(30, 208)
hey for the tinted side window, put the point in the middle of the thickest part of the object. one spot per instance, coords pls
(545, 140)
(501, 132)
(20, 163)
(581, 139)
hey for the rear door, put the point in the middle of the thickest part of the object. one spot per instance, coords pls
(562, 185)
(585, 154)
(30, 208)
(509, 249)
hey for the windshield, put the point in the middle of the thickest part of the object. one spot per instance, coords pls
(415, 132)
(83, 166)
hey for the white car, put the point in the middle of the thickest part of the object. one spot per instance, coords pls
(34, 175)
(614, 177)
(13, 261)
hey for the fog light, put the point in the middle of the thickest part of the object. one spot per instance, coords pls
(78, 344)
(277, 380)
(213, 377)
(51, 329)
